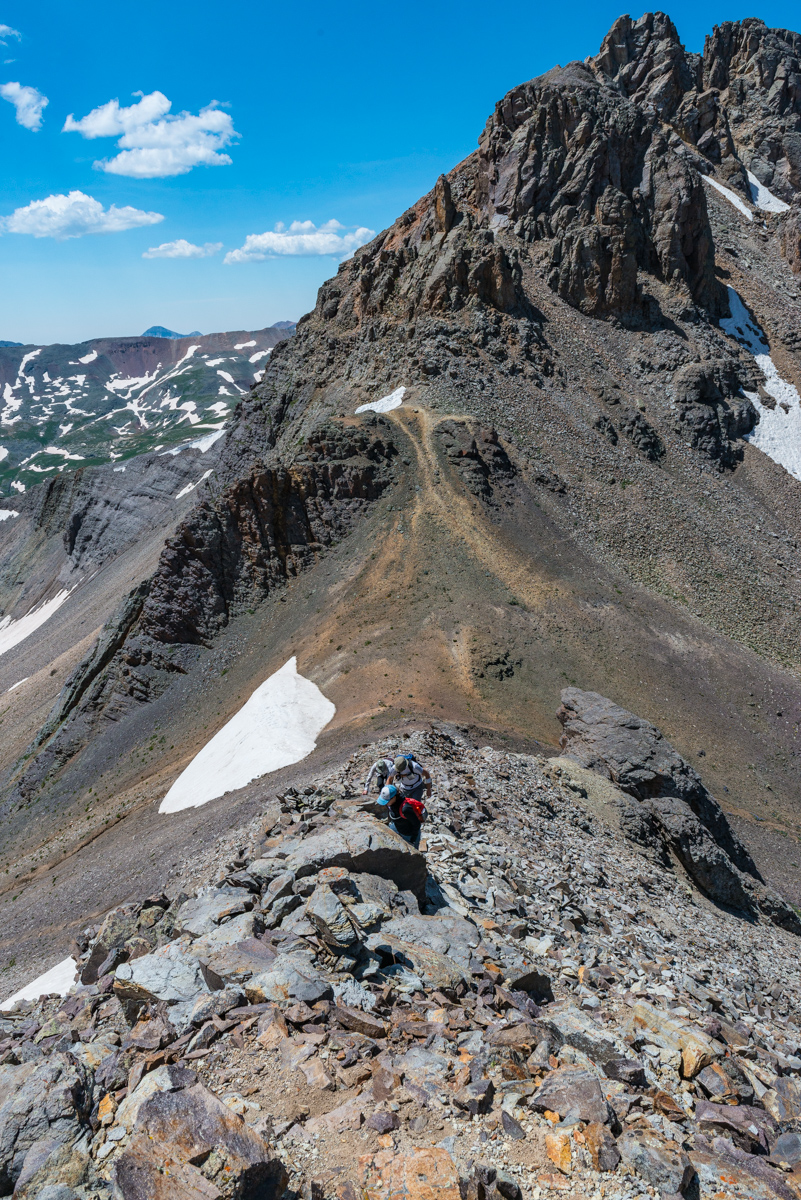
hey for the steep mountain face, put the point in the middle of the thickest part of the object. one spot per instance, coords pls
(111, 398)
(584, 470)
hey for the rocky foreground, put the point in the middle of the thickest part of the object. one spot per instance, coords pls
(540, 1002)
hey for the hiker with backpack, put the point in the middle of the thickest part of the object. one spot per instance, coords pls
(410, 778)
(381, 770)
(406, 815)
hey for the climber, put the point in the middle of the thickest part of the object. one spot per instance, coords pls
(410, 778)
(406, 815)
(380, 769)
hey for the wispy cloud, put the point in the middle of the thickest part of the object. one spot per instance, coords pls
(183, 249)
(302, 238)
(7, 32)
(27, 101)
(73, 216)
(154, 142)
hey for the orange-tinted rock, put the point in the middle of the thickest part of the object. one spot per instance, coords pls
(557, 1147)
(426, 1174)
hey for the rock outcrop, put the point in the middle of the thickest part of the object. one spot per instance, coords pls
(632, 752)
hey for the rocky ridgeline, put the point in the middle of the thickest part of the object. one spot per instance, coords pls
(534, 1004)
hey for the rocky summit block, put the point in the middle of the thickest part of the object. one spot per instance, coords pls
(361, 845)
(675, 809)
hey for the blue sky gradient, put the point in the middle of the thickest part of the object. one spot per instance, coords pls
(345, 114)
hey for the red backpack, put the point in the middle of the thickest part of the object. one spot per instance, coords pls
(417, 807)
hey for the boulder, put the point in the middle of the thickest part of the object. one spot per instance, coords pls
(783, 1100)
(752, 1129)
(171, 973)
(329, 917)
(746, 1175)
(434, 969)
(210, 907)
(163, 1079)
(359, 1021)
(602, 1147)
(696, 1049)
(292, 977)
(47, 1099)
(661, 1163)
(445, 932)
(629, 1071)
(572, 1090)
(420, 1174)
(235, 964)
(215, 1004)
(362, 845)
(190, 1127)
(53, 1168)
(787, 1148)
(476, 1097)
(246, 925)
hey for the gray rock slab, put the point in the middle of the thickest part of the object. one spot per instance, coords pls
(171, 973)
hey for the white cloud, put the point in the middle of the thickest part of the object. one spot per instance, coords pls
(183, 249)
(154, 142)
(301, 238)
(73, 216)
(27, 101)
(7, 32)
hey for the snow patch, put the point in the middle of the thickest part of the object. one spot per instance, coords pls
(762, 198)
(215, 362)
(258, 356)
(19, 683)
(5, 513)
(244, 345)
(731, 196)
(12, 632)
(58, 979)
(277, 726)
(66, 453)
(118, 469)
(202, 444)
(778, 433)
(225, 375)
(386, 403)
(18, 485)
(190, 487)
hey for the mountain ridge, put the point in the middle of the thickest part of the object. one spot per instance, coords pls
(580, 484)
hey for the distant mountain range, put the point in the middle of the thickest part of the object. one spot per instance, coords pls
(110, 398)
(160, 332)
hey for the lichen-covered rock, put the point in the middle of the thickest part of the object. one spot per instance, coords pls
(50, 1100)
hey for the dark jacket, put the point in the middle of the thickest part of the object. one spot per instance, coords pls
(404, 818)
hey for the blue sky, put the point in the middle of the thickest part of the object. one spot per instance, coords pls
(335, 119)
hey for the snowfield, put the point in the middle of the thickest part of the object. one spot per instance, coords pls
(778, 433)
(731, 196)
(386, 403)
(762, 198)
(276, 727)
(13, 632)
(58, 979)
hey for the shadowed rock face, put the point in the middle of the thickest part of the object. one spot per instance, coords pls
(567, 162)
(633, 753)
